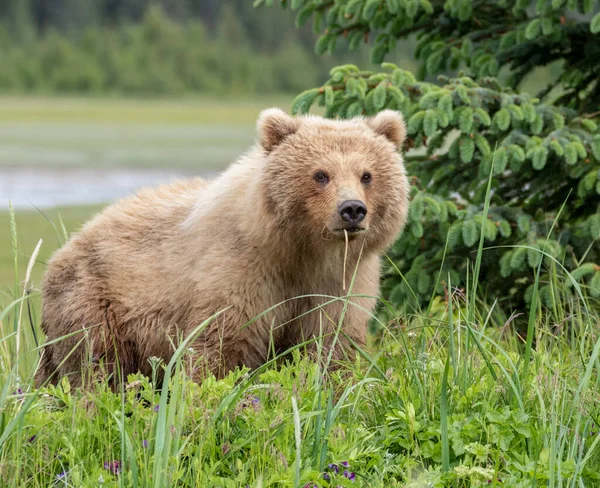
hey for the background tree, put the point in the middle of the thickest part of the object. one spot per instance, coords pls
(543, 152)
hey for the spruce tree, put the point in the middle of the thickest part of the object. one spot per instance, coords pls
(541, 151)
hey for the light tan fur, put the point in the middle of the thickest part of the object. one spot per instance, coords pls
(154, 266)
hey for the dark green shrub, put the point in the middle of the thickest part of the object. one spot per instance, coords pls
(543, 152)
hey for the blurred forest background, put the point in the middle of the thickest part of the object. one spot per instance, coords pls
(160, 47)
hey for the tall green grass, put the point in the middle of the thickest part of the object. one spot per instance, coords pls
(446, 396)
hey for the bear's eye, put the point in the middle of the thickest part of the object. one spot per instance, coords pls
(366, 178)
(321, 177)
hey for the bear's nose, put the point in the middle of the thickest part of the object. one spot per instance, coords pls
(353, 211)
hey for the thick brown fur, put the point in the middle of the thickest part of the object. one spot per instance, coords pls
(151, 268)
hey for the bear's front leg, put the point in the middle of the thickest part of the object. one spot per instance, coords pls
(230, 342)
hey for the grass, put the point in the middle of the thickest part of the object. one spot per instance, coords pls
(441, 398)
(188, 134)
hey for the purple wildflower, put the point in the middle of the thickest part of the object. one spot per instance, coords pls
(334, 467)
(350, 476)
(113, 466)
(345, 464)
(32, 438)
(156, 408)
(61, 476)
(326, 477)
(145, 443)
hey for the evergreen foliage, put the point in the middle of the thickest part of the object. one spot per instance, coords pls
(156, 56)
(541, 153)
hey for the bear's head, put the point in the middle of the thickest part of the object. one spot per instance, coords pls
(325, 178)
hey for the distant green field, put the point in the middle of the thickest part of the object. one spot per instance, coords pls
(209, 111)
(192, 134)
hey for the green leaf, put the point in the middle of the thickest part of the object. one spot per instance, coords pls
(533, 29)
(423, 283)
(379, 96)
(462, 94)
(411, 7)
(505, 229)
(370, 9)
(502, 119)
(416, 229)
(558, 120)
(596, 147)
(583, 270)
(467, 48)
(490, 231)
(435, 61)
(547, 26)
(329, 96)
(516, 112)
(534, 257)
(321, 44)
(482, 145)
(517, 261)
(556, 147)
(354, 109)
(398, 77)
(426, 6)
(454, 234)
(500, 160)
(537, 125)
(470, 233)
(483, 117)
(595, 285)
(430, 122)
(595, 24)
(303, 102)
(429, 100)
(445, 105)
(414, 123)
(304, 14)
(589, 125)
(570, 153)
(467, 148)
(465, 122)
(524, 223)
(594, 226)
(355, 40)
(540, 155)
(529, 112)
(517, 153)
(353, 6)
(505, 268)
(393, 6)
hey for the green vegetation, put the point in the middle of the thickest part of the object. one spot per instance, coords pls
(446, 397)
(543, 153)
(484, 365)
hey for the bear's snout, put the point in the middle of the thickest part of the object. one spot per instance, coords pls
(353, 212)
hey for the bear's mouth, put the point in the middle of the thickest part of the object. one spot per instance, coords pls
(350, 230)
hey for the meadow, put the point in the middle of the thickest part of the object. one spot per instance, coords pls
(456, 394)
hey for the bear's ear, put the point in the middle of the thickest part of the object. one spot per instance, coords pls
(273, 126)
(389, 124)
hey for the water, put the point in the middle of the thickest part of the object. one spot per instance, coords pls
(47, 165)
(28, 188)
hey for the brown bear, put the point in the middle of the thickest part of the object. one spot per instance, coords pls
(314, 201)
